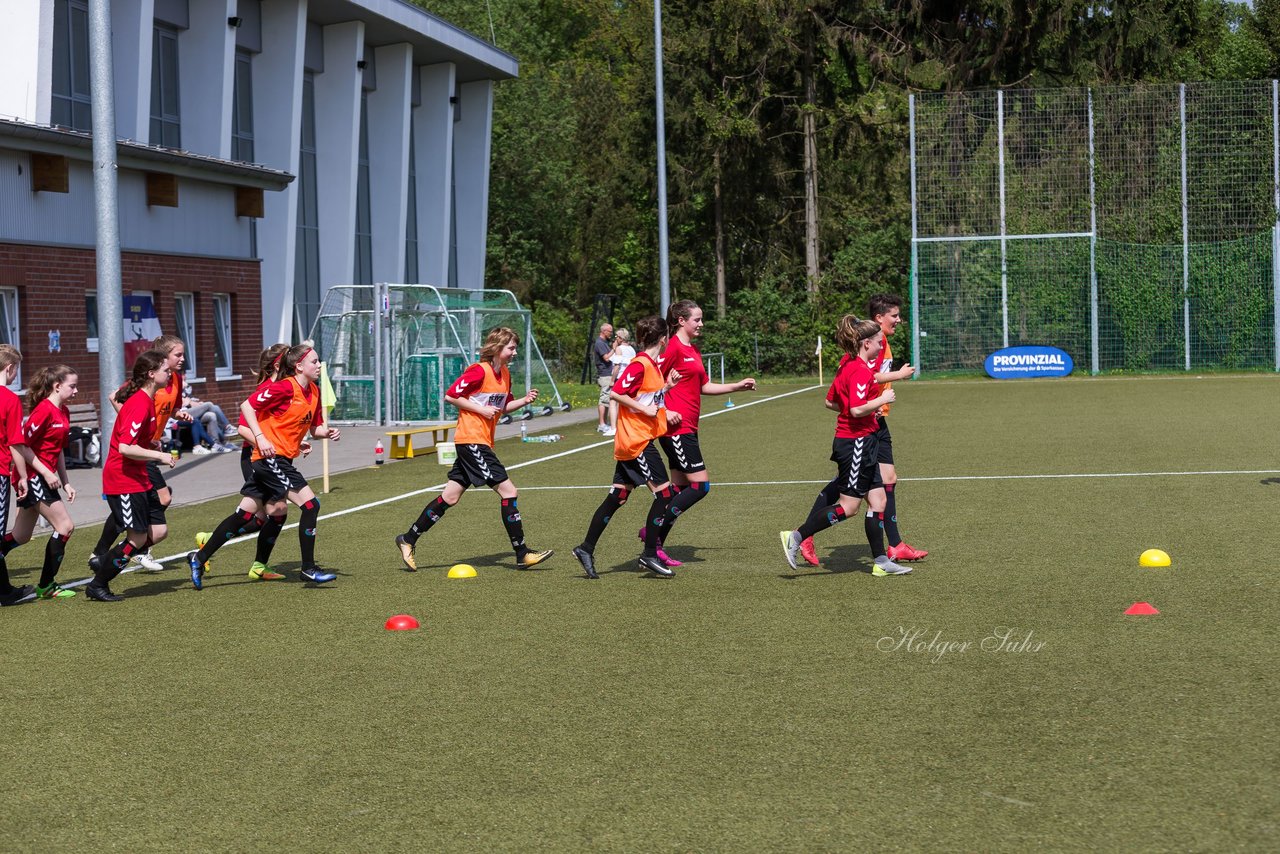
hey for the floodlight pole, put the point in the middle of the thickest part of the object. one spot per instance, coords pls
(106, 212)
(664, 268)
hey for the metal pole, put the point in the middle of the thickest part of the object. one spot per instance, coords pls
(1093, 247)
(106, 212)
(1004, 260)
(377, 358)
(915, 252)
(1275, 231)
(528, 353)
(664, 269)
(1186, 248)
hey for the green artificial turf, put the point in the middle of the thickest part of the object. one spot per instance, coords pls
(739, 706)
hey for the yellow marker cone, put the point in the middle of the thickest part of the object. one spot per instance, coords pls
(462, 570)
(1154, 557)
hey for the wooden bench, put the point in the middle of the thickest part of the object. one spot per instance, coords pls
(402, 440)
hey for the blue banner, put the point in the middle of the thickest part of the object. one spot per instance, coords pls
(1019, 362)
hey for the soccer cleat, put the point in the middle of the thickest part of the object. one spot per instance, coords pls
(101, 593)
(147, 562)
(406, 553)
(587, 560)
(262, 572)
(532, 558)
(316, 575)
(902, 551)
(888, 567)
(53, 591)
(806, 551)
(197, 570)
(790, 546)
(669, 561)
(18, 595)
(656, 566)
(203, 537)
(95, 563)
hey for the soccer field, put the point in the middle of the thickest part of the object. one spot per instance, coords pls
(739, 706)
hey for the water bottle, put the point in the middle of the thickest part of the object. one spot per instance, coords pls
(377, 453)
(524, 432)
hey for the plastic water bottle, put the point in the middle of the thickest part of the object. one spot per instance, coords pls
(524, 432)
(377, 453)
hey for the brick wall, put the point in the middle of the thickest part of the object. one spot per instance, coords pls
(52, 283)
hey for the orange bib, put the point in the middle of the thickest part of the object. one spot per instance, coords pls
(494, 391)
(635, 431)
(286, 429)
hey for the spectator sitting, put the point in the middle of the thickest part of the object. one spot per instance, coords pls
(209, 425)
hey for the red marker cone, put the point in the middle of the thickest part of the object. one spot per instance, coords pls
(400, 623)
(1138, 608)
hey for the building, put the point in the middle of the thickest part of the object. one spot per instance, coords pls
(268, 150)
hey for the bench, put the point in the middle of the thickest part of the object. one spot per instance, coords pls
(402, 440)
(84, 445)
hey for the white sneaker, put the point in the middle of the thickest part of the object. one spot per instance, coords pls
(600, 428)
(608, 431)
(201, 449)
(147, 562)
(224, 448)
(231, 432)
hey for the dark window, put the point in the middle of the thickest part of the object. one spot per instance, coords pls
(363, 272)
(72, 102)
(306, 271)
(411, 218)
(166, 122)
(242, 109)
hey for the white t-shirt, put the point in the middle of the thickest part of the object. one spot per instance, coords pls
(622, 356)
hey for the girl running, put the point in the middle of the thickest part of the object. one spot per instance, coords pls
(642, 418)
(279, 416)
(481, 395)
(46, 432)
(856, 398)
(12, 445)
(690, 480)
(250, 516)
(167, 405)
(127, 482)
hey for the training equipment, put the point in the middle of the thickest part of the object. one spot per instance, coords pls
(1154, 557)
(903, 551)
(400, 623)
(462, 570)
(1141, 609)
(587, 560)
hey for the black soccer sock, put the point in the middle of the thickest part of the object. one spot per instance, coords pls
(429, 516)
(230, 527)
(874, 525)
(685, 498)
(615, 499)
(515, 527)
(656, 527)
(110, 530)
(7, 544)
(891, 516)
(307, 531)
(53, 553)
(267, 537)
(115, 561)
(829, 494)
(5, 585)
(820, 520)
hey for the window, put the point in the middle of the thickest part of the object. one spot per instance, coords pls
(242, 109)
(222, 334)
(9, 327)
(166, 124)
(72, 103)
(306, 270)
(363, 272)
(184, 309)
(411, 218)
(91, 321)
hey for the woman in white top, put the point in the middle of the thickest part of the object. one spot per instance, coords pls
(621, 354)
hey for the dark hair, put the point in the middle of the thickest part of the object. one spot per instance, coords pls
(498, 338)
(147, 361)
(41, 385)
(649, 331)
(851, 332)
(678, 311)
(292, 356)
(269, 360)
(881, 304)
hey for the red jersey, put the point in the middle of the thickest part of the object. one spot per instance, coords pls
(685, 396)
(46, 433)
(167, 401)
(641, 379)
(853, 386)
(286, 411)
(10, 426)
(480, 384)
(240, 422)
(135, 425)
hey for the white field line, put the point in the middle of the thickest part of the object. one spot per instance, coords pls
(440, 486)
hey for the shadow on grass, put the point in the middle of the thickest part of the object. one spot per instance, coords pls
(497, 560)
(842, 560)
(161, 583)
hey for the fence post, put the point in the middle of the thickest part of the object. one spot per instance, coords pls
(1275, 230)
(1186, 248)
(378, 359)
(1004, 244)
(1093, 246)
(915, 255)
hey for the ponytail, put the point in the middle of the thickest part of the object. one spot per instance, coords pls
(41, 385)
(851, 332)
(147, 361)
(269, 362)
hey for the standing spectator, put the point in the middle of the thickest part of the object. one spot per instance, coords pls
(623, 353)
(601, 352)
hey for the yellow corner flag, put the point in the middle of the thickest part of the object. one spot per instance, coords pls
(327, 397)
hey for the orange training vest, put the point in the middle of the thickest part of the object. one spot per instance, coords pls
(494, 391)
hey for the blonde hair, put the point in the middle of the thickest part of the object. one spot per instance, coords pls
(166, 344)
(851, 332)
(497, 339)
(9, 355)
(623, 334)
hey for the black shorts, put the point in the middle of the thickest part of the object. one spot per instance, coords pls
(157, 477)
(646, 468)
(246, 462)
(39, 492)
(273, 478)
(137, 511)
(859, 473)
(884, 444)
(477, 465)
(683, 452)
(4, 504)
